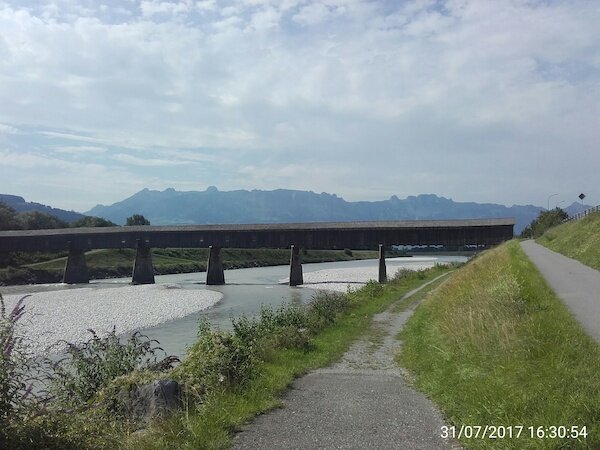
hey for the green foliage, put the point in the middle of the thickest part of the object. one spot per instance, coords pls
(578, 239)
(136, 219)
(218, 360)
(545, 221)
(9, 218)
(494, 345)
(14, 364)
(324, 309)
(95, 363)
(35, 220)
(91, 221)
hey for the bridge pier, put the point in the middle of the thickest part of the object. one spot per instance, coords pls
(382, 268)
(143, 271)
(76, 267)
(214, 272)
(296, 277)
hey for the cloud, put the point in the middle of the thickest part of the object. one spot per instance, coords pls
(357, 88)
(7, 129)
(148, 162)
(78, 150)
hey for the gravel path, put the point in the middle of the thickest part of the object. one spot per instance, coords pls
(362, 401)
(67, 314)
(575, 283)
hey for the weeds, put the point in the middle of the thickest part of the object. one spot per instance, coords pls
(95, 363)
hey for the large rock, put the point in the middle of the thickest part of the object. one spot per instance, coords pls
(155, 399)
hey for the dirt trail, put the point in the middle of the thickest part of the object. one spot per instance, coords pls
(362, 401)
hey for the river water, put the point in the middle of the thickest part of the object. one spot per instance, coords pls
(246, 291)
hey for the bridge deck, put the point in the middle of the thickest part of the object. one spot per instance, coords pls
(319, 235)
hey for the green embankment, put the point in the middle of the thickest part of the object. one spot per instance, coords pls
(579, 240)
(210, 425)
(494, 346)
(119, 263)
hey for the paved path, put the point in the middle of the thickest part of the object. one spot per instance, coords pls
(361, 402)
(575, 283)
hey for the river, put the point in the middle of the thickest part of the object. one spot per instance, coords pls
(246, 291)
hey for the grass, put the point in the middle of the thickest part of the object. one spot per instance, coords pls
(211, 424)
(493, 345)
(578, 239)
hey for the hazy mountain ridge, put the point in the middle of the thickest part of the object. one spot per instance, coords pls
(20, 205)
(241, 206)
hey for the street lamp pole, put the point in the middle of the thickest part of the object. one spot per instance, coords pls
(549, 197)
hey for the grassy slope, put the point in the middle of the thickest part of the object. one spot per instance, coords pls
(211, 425)
(579, 240)
(494, 346)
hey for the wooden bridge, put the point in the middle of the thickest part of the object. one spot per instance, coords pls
(320, 235)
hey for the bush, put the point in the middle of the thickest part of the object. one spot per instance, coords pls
(95, 363)
(545, 221)
(324, 309)
(219, 359)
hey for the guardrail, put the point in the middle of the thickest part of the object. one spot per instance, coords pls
(582, 214)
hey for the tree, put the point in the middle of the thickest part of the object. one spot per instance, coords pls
(9, 218)
(137, 219)
(546, 220)
(35, 220)
(91, 221)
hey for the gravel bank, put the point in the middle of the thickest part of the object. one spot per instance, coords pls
(341, 280)
(68, 314)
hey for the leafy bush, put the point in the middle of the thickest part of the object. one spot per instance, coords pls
(324, 309)
(219, 359)
(545, 221)
(93, 364)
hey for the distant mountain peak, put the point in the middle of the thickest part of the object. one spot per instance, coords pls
(285, 205)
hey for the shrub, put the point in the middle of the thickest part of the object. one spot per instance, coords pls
(324, 308)
(93, 364)
(219, 359)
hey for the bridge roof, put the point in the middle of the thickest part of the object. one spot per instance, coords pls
(306, 226)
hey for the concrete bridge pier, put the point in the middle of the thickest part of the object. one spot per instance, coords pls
(214, 272)
(296, 277)
(76, 267)
(382, 268)
(143, 271)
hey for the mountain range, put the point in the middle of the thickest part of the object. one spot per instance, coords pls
(281, 205)
(242, 206)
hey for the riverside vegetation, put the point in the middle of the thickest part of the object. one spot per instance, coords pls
(579, 239)
(226, 378)
(493, 345)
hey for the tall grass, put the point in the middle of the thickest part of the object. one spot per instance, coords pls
(494, 346)
(579, 240)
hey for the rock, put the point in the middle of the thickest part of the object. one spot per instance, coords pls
(156, 399)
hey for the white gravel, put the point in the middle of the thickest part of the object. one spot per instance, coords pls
(68, 314)
(341, 280)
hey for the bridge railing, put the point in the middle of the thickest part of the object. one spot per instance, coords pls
(582, 214)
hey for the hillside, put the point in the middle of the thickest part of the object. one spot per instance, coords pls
(20, 205)
(214, 206)
(579, 240)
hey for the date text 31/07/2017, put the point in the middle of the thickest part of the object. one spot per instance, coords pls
(514, 432)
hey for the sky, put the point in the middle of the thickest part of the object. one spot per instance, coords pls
(474, 100)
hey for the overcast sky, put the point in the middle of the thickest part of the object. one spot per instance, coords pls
(487, 101)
